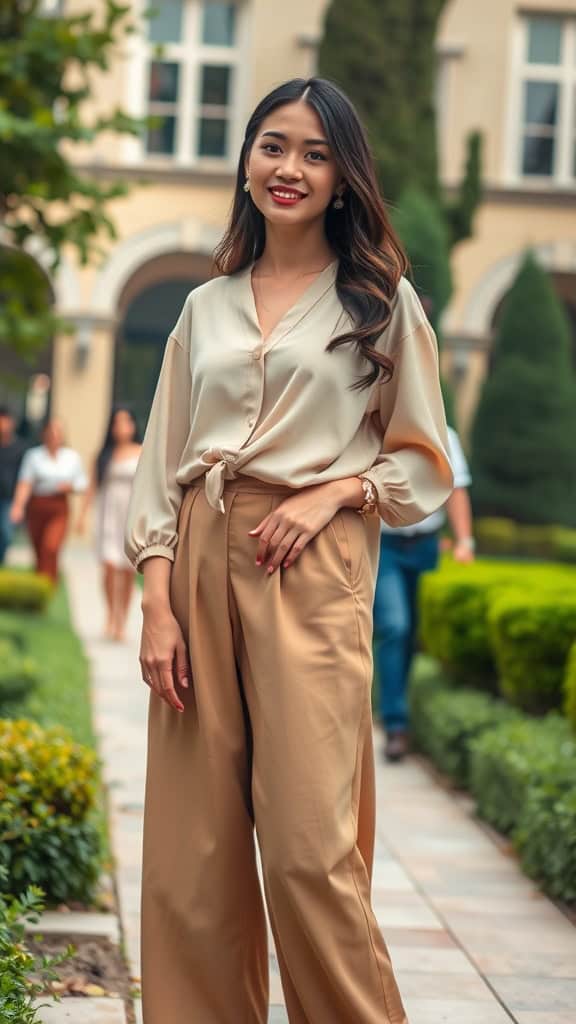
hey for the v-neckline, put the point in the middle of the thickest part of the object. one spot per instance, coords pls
(303, 304)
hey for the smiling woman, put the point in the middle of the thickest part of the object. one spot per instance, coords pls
(298, 388)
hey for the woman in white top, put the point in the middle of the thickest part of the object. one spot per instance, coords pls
(297, 388)
(110, 485)
(48, 475)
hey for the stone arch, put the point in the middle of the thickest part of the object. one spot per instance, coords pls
(190, 235)
(477, 317)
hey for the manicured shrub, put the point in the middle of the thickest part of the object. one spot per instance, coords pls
(24, 591)
(531, 634)
(444, 720)
(18, 992)
(570, 687)
(564, 544)
(523, 464)
(512, 758)
(546, 833)
(18, 675)
(498, 536)
(454, 606)
(47, 798)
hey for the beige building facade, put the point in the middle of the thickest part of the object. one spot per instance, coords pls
(505, 69)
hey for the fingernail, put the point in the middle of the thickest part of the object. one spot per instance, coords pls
(270, 568)
(258, 561)
(285, 564)
(185, 684)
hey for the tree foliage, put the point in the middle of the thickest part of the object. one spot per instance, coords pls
(523, 452)
(46, 70)
(382, 53)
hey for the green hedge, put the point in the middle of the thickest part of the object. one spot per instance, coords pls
(511, 758)
(531, 635)
(521, 770)
(18, 674)
(570, 687)
(48, 788)
(444, 720)
(495, 536)
(454, 607)
(24, 591)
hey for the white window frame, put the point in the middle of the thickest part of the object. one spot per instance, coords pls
(191, 54)
(564, 75)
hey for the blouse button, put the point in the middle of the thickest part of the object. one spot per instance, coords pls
(257, 352)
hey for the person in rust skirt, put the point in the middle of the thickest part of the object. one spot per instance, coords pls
(298, 389)
(48, 475)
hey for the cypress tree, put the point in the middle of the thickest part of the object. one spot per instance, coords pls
(523, 439)
(423, 231)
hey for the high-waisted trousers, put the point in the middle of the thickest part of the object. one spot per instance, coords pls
(275, 740)
(47, 521)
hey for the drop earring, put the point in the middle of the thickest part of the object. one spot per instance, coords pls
(338, 203)
(246, 185)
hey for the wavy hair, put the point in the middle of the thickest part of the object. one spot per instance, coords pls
(371, 257)
(105, 454)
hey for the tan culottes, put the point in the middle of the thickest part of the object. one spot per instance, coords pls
(276, 736)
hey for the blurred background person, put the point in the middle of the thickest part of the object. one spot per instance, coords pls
(49, 473)
(110, 486)
(405, 553)
(12, 450)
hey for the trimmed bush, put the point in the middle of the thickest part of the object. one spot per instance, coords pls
(24, 591)
(454, 604)
(18, 675)
(546, 834)
(512, 758)
(531, 635)
(564, 544)
(18, 993)
(496, 536)
(47, 799)
(570, 687)
(444, 720)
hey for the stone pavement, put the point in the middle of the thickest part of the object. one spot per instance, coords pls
(471, 939)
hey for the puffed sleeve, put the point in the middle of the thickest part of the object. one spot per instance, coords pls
(151, 527)
(412, 472)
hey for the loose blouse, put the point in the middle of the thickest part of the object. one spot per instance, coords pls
(283, 410)
(46, 472)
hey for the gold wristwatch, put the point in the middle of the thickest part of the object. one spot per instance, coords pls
(370, 497)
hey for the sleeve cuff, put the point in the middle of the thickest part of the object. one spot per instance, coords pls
(153, 551)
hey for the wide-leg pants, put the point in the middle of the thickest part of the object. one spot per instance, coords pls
(276, 738)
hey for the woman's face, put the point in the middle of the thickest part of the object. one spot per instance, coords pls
(53, 434)
(123, 427)
(292, 171)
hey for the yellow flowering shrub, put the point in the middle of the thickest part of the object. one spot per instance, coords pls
(47, 798)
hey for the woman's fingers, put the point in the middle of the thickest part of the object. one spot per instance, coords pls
(182, 666)
(280, 547)
(167, 691)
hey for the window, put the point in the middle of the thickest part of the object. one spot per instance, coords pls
(547, 100)
(192, 57)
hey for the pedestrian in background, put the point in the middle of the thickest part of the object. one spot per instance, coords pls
(12, 450)
(48, 475)
(297, 388)
(110, 486)
(405, 553)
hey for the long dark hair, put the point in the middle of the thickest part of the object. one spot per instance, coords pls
(105, 453)
(371, 258)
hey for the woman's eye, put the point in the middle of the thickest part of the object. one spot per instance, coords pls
(316, 157)
(270, 147)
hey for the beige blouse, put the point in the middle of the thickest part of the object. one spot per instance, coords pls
(283, 411)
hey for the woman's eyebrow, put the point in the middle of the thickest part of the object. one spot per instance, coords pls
(307, 142)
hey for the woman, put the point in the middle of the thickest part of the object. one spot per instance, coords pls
(297, 389)
(49, 473)
(110, 483)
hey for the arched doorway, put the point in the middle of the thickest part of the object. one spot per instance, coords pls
(149, 307)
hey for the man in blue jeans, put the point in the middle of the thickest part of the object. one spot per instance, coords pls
(405, 553)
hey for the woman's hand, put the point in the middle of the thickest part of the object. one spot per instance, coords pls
(284, 533)
(16, 514)
(163, 655)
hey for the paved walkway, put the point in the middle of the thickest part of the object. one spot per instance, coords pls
(471, 939)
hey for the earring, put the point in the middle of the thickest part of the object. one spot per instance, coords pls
(246, 185)
(338, 203)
